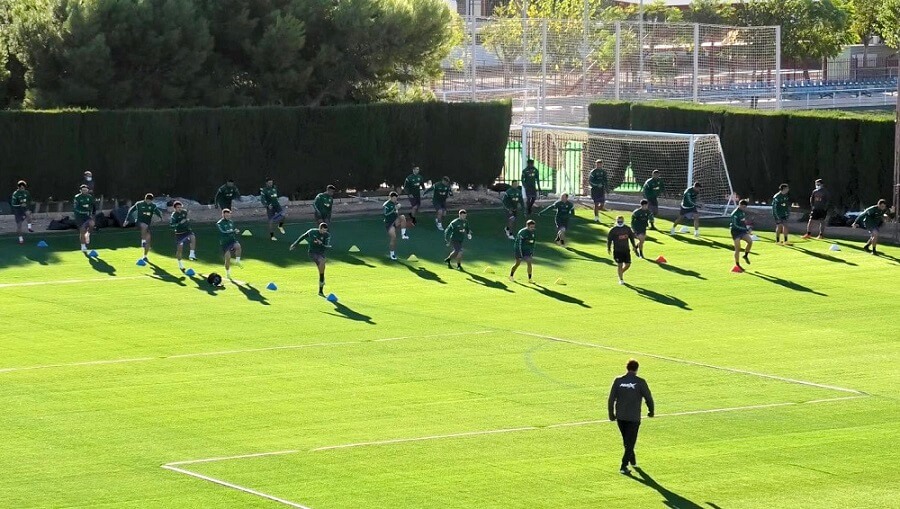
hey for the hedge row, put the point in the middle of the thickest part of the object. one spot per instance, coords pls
(190, 152)
(852, 153)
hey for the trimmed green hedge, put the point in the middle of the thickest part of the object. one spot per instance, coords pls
(853, 153)
(610, 115)
(190, 152)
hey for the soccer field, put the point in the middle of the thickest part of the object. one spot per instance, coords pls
(426, 387)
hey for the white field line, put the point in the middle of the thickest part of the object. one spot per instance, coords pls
(693, 363)
(240, 351)
(233, 486)
(229, 458)
(72, 281)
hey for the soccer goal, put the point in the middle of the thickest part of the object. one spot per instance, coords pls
(568, 154)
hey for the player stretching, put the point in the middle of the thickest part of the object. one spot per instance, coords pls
(818, 204)
(141, 213)
(319, 240)
(872, 218)
(653, 187)
(226, 194)
(781, 210)
(183, 233)
(82, 205)
(531, 181)
(269, 197)
(457, 231)
(322, 205)
(441, 191)
(228, 241)
(688, 210)
(599, 181)
(617, 243)
(413, 186)
(512, 202)
(392, 220)
(524, 248)
(21, 201)
(564, 209)
(640, 218)
(741, 232)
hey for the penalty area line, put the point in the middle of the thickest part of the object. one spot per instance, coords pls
(233, 486)
(72, 281)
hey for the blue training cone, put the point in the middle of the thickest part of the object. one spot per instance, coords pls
(271, 286)
(331, 298)
(141, 262)
(42, 244)
(93, 254)
(189, 272)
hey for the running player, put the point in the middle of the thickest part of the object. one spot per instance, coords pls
(564, 208)
(82, 205)
(617, 243)
(640, 218)
(741, 232)
(21, 201)
(141, 213)
(319, 240)
(274, 211)
(457, 231)
(413, 186)
(226, 194)
(653, 187)
(181, 225)
(322, 205)
(781, 210)
(872, 218)
(531, 181)
(524, 249)
(512, 201)
(393, 220)
(818, 204)
(689, 207)
(599, 182)
(228, 241)
(441, 191)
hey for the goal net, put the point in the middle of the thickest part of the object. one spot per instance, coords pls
(565, 156)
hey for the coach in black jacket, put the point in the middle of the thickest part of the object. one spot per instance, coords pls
(624, 405)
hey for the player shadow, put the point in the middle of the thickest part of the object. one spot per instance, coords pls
(352, 260)
(822, 256)
(668, 300)
(488, 283)
(790, 285)
(345, 312)
(568, 299)
(590, 256)
(689, 239)
(677, 270)
(202, 285)
(101, 265)
(165, 276)
(252, 293)
(424, 273)
(41, 257)
(672, 499)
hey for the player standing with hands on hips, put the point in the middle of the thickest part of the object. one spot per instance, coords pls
(624, 406)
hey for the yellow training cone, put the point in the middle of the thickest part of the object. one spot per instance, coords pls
(412, 258)
(354, 249)
(488, 270)
(560, 281)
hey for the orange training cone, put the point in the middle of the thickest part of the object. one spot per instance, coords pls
(662, 259)
(737, 270)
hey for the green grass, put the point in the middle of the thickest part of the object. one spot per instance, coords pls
(245, 370)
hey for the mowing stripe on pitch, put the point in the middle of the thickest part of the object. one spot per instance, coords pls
(72, 281)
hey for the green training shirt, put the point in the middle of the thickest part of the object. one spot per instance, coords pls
(143, 212)
(641, 218)
(21, 198)
(739, 220)
(413, 184)
(512, 198)
(598, 179)
(781, 206)
(457, 230)
(563, 209)
(530, 177)
(226, 194)
(323, 204)
(390, 212)
(441, 192)
(653, 187)
(227, 233)
(179, 222)
(318, 241)
(82, 205)
(269, 197)
(872, 217)
(689, 198)
(524, 242)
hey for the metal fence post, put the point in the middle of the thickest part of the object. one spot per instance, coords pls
(474, 61)
(777, 67)
(696, 76)
(542, 100)
(618, 58)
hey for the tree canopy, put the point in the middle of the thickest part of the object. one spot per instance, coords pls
(809, 28)
(889, 23)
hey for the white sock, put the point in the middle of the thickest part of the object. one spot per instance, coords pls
(143, 243)
(192, 255)
(29, 225)
(180, 265)
(392, 253)
(20, 238)
(597, 217)
(238, 258)
(696, 231)
(402, 231)
(227, 273)
(84, 247)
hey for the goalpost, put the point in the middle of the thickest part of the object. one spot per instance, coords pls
(566, 156)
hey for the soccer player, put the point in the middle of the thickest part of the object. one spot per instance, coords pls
(457, 231)
(322, 205)
(82, 205)
(512, 201)
(393, 220)
(141, 213)
(617, 243)
(624, 406)
(872, 218)
(689, 208)
(226, 194)
(269, 197)
(531, 181)
(318, 240)
(441, 191)
(181, 225)
(781, 210)
(599, 182)
(228, 241)
(524, 249)
(818, 204)
(413, 186)
(741, 232)
(640, 218)
(21, 201)
(88, 180)
(564, 208)
(653, 187)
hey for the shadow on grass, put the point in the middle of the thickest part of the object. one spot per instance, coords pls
(590, 256)
(677, 270)
(345, 312)
(489, 283)
(165, 276)
(42, 257)
(668, 300)
(424, 273)
(701, 242)
(568, 299)
(672, 499)
(252, 293)
(202, 285)
(821, 256)
(101, 265)
(352, 260)
(790, 285)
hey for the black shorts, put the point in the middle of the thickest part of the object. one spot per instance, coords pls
(320, 219)
(622, 256)
(19, 213)
(83, 222)
(456, 245)
(415, 201)
(183, 238)
(317, 257)
(440, 206)
(598, 194)
(688, 213)
(738, 234)
(780, 220)
(562, 222)
(639, 230)
(512, 212)
(229, 246)
(275, 213)
(531, 192)
(654, 202)
(818, 215)
(525, 255)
